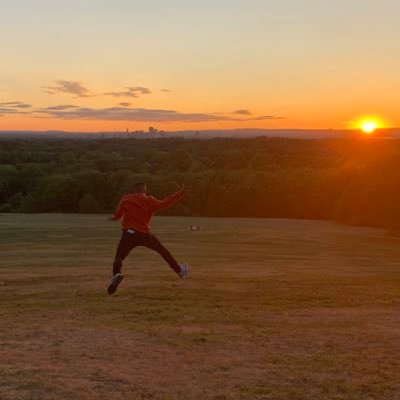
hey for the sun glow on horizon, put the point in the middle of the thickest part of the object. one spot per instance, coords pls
(368, 125)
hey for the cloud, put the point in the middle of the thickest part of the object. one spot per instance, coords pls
(264, 117)
(241, 112)
(130, 92)
(166, 90)
(6, 110)
(15, 104)
(130, 114)
(14, 107)
(245, 112)
(123, 112)
(61, 107)
(77, 89)
(11, 111)
(71, 87)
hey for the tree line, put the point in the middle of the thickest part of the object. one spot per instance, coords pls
(355, 181)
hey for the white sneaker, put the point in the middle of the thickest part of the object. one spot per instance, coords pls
(184, 270)
(115, 281)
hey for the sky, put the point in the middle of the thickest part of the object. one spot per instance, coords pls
(112, 65)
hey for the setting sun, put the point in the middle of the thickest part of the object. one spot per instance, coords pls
(368, 126)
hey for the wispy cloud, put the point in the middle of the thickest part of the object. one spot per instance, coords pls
(71, 87)
(130, 92)
(264, 117)
(15, 104)
(14, 107)
(241, 112)
(131, 114)
(61, 107)
(245, 112)
(6, 110)
(123, 112)
(78, 89)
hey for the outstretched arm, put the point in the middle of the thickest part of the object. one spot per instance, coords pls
(170, 200)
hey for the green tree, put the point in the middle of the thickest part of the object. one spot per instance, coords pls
(89, 205)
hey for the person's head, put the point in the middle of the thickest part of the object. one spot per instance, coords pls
(140, 187)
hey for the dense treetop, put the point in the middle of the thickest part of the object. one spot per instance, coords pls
(355, 181)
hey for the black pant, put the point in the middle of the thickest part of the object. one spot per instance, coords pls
(131, 239)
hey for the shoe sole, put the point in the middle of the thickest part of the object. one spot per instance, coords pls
(184, 276)
(112, 288)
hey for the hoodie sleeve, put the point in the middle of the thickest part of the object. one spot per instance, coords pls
(168, 202)
(118, 211)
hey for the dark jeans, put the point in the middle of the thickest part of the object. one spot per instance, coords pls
(131, 240)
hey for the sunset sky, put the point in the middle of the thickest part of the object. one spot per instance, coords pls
(100, 65)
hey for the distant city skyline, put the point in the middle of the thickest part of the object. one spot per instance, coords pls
(177, 65)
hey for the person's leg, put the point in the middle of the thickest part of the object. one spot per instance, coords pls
(151, 242)
(125, 245)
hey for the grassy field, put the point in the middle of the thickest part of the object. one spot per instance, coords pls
(273, 309)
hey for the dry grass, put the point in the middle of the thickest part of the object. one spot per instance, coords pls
(273, 309)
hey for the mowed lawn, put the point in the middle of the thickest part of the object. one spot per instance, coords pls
(273, 309)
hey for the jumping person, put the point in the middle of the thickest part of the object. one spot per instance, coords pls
(136, 210)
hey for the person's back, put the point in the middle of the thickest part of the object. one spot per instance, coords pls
(136, 209)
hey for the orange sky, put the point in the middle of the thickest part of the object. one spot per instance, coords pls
(112, 65)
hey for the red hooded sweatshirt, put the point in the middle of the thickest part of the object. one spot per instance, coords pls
(136, 209)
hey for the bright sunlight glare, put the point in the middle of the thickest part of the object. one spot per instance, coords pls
(368, 126)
